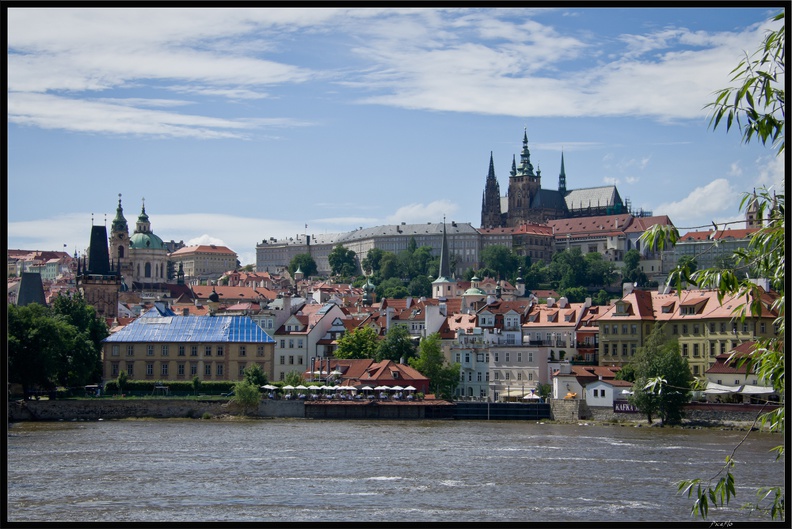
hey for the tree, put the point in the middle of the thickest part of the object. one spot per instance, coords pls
(33, 346)
(396, 346)
(575, 294)
(305, 263)
(246, 396)
(599, 271)
(391, 288)
(121, 380)
(371, 263)
(196, 384)
(293, 378)
(631, 270)
(568, 268)
(661, 378)
(81, 355)
(342, 261)
(443, 380)
(500, 259)
(420, 286)
(757, 106)
(362, 342)
(255, 375)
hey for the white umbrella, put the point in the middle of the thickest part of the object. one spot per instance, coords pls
(301, 387)
(314, 388)
(397, 388)
(341, 388)
(288, 387)
(366, 388)
(409, 388)
(532, 397)
(269, 386)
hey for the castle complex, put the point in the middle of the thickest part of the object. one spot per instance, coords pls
(527, 202)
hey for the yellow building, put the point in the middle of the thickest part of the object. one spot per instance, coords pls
(159, 345)
(703, 326)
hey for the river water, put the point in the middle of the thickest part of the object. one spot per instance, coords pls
(295, 470)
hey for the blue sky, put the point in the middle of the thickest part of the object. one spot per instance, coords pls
(237, 125)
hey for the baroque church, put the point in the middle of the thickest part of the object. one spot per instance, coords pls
(526, 202)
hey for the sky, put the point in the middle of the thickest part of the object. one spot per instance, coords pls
(236, 125)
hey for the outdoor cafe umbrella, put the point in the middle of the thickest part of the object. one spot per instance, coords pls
(397, 388)
(409, 388)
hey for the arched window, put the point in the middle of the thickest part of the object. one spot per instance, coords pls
(148, 270)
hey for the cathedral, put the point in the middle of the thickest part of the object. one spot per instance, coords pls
(527, 203)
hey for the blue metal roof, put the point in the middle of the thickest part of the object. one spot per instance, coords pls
(204, 329)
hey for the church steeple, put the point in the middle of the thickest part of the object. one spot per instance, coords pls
(525, 169)
(143, 224)
(119, 222)
(562, 177)
(490, 202)
(445, 267)
(514, 166)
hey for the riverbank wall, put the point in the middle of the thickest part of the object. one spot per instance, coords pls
(556, 410)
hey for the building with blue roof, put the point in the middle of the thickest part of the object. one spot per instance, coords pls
(160, 345)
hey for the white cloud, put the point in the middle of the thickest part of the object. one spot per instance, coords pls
(715, 201)
(418, 213)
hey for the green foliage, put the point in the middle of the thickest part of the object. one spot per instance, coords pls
(196, 384)
(255, 375)
(293, 378)
(371, 263)
(599, 272)
(420, 286)
(58, 345)
(601, 298)
(443, 380)
(544, 390)
(757, 103)
(175, 387)
(343, 262)
(662, 378)
(396, 345)
(362, 342)
(121, 381)
(575, 294)
(392, 288)
(305, 263)
(502, 260)
(631, 270)
(246, 396)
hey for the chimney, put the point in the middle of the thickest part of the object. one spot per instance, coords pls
(550, 302)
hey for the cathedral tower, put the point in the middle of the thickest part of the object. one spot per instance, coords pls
(491, 216)
(524, 185)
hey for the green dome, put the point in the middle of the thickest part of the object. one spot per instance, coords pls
(474, 292)
(146, 241)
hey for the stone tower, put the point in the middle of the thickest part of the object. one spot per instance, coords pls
(119, 245)
(491, 215)
(98, 279)
(524, 185)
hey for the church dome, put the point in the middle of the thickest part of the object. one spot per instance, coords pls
(146, 241)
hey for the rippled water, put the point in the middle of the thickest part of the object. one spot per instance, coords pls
(367, 471)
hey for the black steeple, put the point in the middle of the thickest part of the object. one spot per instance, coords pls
(490, 201)
(562, 177)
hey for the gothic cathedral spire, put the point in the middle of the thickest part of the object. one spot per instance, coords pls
(562, 177)
(491, 216)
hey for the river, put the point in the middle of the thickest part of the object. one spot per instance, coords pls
(296, 470)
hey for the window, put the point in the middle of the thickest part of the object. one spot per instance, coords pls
(291, 343)
(282, 360)
(605, 350)
(283, 344)
(508, 375)
(722, 348)
(193, 369)
(164, 369)
(762, 327)
(624, 329)
(193, 350)
(114, 369)
(260, 350)
(114, 350)
(208, 350)
(299, 343)
(519, 376)
(458, 356)
(180, 369)
(507, 357)
(467, 358)
(723, 326)
(130, 369)
(208, 370)
(497, 375)
(241, 369)
(684, 349)
(291, 359)
(633, 329)
(149, 350)
(695, 350)
(712, 328)
(684, 328)
(242, 350)
(478, 376)
(130, 350)
(149, 369)
(615, 329)
(632, 349)
(220, 350)
(675, 329)
(519, 358)
(470, 376)
(164, 349)
(624, 349)
(530, 376)
(299, 360)
(181, 350)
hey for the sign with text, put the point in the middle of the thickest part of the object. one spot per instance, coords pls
(622, 406)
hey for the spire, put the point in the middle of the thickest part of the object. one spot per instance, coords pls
(514, 166)
(445, 268)
(526, 169)
(562, 176)
(490, 201)
(491, 174)
(119, 222)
